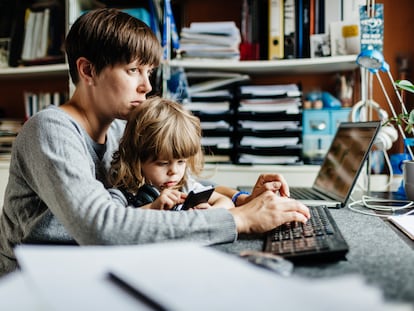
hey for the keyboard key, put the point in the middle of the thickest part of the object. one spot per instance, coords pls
(318, 240)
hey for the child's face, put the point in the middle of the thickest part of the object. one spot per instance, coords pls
(164, 173)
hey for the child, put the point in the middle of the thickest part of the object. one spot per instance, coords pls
(158, 154)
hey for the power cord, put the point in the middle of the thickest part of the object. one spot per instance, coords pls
(390, 177)
(368, 205)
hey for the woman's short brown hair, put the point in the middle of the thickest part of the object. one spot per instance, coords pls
(107, 37)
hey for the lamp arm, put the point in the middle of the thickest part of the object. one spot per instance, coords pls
(394, 114)
(404, 109)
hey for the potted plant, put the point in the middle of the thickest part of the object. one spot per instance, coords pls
(406, 121)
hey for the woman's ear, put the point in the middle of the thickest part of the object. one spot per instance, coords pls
(85, 70)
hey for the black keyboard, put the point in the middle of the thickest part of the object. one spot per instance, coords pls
(304, 193)
(316, 241)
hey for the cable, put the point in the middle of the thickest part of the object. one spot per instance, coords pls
(373, 204)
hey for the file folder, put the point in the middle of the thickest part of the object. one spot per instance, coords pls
(276, 32)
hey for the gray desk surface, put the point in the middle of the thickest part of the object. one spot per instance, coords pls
(378, 252)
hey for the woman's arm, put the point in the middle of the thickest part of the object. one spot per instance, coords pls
(60, 174)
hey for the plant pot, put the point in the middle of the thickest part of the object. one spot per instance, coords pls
(408, 179)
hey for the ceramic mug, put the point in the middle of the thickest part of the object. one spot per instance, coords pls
(408, 176)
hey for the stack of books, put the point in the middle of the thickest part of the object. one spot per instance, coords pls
(43, 33)
(211, 40)
(9, 128)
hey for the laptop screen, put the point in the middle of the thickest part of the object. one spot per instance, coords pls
(345, 158)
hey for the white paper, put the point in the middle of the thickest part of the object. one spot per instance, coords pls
(181, 276)
(405, 223)
(16, 294)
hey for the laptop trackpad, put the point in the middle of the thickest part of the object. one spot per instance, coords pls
(335, 204)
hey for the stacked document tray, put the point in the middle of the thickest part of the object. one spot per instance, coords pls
(269, 125)
(216, 113)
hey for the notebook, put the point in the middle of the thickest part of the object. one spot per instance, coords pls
(341, 166)
(405, 223)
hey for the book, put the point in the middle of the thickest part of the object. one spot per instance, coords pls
(29, 32)
(43, 42)
(319, 16)
(210, 40)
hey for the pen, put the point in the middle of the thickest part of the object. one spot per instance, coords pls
(134, 291)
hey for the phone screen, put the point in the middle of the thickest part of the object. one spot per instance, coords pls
(194, 198)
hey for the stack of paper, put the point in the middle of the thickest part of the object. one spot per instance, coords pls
(218, 40)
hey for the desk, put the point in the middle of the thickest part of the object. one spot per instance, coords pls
(379, 252)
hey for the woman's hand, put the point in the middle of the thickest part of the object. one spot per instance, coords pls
(268, 211)
(168, 199)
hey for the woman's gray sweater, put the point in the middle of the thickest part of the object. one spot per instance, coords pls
(56, 193)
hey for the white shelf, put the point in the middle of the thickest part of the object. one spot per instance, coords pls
(286, 66)
(34, 71)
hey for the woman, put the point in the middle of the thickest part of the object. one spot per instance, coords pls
(57, 189)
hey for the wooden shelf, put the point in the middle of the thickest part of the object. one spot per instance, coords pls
(286, 66)
(34, 71)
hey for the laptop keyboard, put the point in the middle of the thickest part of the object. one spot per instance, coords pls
(303, 193)
(317, 240)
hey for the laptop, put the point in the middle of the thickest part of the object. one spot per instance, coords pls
(341, 166)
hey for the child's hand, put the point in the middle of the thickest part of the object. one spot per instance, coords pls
(168, 199)
(202, 206)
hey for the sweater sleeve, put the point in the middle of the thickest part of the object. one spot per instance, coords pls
(54, 167)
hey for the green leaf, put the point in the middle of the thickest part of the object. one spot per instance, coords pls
(405, 85)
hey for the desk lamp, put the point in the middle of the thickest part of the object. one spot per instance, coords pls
(373, 60)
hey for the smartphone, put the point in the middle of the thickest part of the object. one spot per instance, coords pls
(195, 197)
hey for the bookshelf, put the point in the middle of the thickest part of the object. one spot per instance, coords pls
(34, 71)
(312, 73)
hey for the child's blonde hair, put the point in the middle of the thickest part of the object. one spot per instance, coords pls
(158, 129)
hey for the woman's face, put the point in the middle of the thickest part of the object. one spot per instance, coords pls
(122, 87)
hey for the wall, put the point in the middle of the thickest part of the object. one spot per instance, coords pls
(398, 25)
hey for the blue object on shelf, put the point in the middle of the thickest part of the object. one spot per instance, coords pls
(397, 160)
(330, 101)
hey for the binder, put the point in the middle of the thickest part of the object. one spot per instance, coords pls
(289, 29)
(302, 28)
(276, 32)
